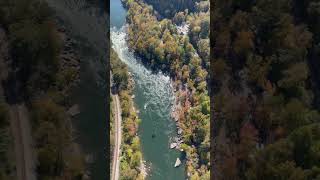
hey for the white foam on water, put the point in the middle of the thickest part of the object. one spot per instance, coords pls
(158, 88)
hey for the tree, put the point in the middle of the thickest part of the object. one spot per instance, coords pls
(294, 76)
(205, 27)
(295, 115)
(50, 163)
(135, 144)
(4, 115)
(179, 18)
(203, 6)
(257, 70)
(199, 135)
(136, 159)
(243, 43)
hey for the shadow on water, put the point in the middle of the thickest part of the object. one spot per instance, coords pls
(87, 25)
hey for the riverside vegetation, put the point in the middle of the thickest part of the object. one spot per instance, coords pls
(131, 156)
(266, 89)
(162, 48)
(41, 78)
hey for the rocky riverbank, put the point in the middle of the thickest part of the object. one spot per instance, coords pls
(69, 61)
(181, 107)
(69, 67)
(178, 113)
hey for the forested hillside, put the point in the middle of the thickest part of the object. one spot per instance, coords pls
(6, 144)
(7, 164)
(41, 73)
(162, 47)
(266, 89)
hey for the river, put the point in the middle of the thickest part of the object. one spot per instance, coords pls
(153, 98)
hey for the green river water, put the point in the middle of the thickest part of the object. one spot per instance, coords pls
(154, 99)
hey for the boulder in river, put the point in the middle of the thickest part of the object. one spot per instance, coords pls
(89, 158)
(74, 110)
(178, 162)
(173, 145)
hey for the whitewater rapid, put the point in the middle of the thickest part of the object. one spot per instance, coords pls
(158, 87)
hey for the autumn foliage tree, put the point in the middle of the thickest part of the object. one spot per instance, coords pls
(263, 92)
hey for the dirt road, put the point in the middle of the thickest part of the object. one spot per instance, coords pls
(19, 121)
(25, 157)
(117, 143)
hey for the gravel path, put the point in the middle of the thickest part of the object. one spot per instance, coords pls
(25, 157)
(117, 143)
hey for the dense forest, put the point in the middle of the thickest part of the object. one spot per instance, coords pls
(163, 48)
(6, 144)
(131, 157)
(7, 163)
(169, 8)
(41, 75)
(265, 84)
